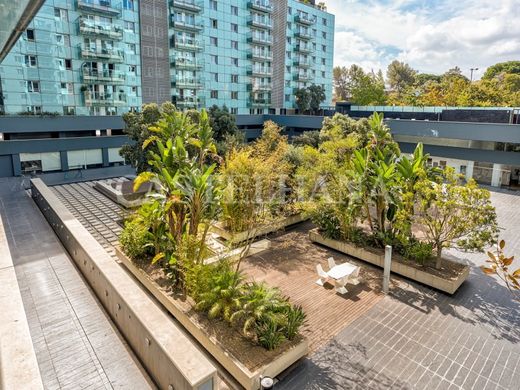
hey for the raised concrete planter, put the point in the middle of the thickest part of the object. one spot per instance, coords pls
(18, 365)
(122, 192)
(378, 258)
(169, 355)
(238, 237)
(249, 380)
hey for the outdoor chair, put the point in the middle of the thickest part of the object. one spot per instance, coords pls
(340, 285)
(354, 277)
(322, 274)
(331, 262)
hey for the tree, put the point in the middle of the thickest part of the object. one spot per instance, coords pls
(303, 99)
(452, 214)
(136, 128)
(499, 265)
(367, 89)
(509, 67)
(341, 81)
(400, 76)
(317, 96)
(222, 122)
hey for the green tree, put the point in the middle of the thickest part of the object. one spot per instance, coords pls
(303, 100)
(317, 96)
(341, 81)
(502, 68)
(400, 76)
(367, 89)
(222, 122)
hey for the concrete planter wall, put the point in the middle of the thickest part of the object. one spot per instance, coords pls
(263, 230)
(168, 354)
(376, 258)
(249, 380)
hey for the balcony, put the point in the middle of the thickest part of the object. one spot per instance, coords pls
(188, 101)
(260, 23)
(93, 52)
(183, 63)
(259, 102)
(307, 49)
(99, 6)
(187, 44)
(260, 55)
(260, 39)
(94, 76)
(260, 5)
(186, 83)
(304, 19)
(303, 62)
(188, 5)
(87, 27)
(303, 77)
(259, 87)
(302, 34)
(186, 25)
(259, 71)
(104, 99)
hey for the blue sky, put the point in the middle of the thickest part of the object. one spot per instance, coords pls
(432, 36)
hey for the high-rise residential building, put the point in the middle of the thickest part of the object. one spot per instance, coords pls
(105, 57)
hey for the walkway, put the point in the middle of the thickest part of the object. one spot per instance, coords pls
(76, 345)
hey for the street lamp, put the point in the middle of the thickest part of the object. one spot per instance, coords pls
(471, 77)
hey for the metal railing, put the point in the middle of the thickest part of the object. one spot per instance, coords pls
(101, 6)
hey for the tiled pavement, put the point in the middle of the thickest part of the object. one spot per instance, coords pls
(75, 343)
(416, 338)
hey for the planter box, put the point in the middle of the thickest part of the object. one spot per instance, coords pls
(248, 379)
(448, 285)
(263, 230)
(122, 192)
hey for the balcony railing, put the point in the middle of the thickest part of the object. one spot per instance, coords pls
(94, 76)
(304, 49)
(304, 19)
(259, 71)
(303, 77)
(260, 55)
(188, 101)
(87, 27)
(189, 5)
(303, 62)
(182, 63)
(259, 102)
(104, 99)
(259, 87)
(260, 5)
(187, 44)
(99, 6)
(260, 39)
(260, 23)
(90, 52)
(186, 83)
(302, 34)
(186, 25)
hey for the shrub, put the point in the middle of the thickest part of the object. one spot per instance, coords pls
(327, 221)
(135, 241)
(295, 318)
(270, 334)
(418, 251)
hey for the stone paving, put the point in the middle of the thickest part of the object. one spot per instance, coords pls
(76, 345)
(416, 338)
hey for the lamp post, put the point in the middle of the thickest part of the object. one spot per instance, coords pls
(471, 77)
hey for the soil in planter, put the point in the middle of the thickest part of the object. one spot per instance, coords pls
(228, 338)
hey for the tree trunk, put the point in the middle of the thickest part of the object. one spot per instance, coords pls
(439, 256)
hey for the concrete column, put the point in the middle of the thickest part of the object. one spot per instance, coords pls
(469, 169)
(64, 160)
(17, 168)
(496, 177)
(104, 152)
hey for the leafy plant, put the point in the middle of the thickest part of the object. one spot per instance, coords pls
(136, 241)
(270, 334)
(499, 265)
(295, 318)
(418, 251)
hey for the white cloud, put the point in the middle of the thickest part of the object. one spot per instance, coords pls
(432, 36)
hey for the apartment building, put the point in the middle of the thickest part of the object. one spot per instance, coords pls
(105, 57)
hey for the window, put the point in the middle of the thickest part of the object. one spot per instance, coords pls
(234, 110)
(234, 45)
(289, 40)
(287, 98)
(214, 94)
(234, 95)
(234, 27)
(129, 26)
(89, 158)
(289, 10)
(68, 64)
(324, 21)
(67, 88)
(287, 83)
(289, 25)
(34, 109)
(214, 59)
(323, 61)
(214, 23)
(130, 48)
(324, 35)
(32, 162)
(128, 4)
(132, 69)
(29, 34)
(234, 78)
(323, 48)
(214, 76)
(33, 86)
(213, 5)
(60, 14)
(31, 61)
(322, 74)
(234, 10)
(234, 61)
(213, 41)
(62, 39)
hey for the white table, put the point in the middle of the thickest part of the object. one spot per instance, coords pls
(339, 272)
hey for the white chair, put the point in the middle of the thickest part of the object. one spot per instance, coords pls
(354, 277)
(331, 262)
(340, 285)
(322, 274)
